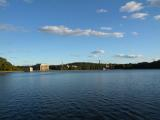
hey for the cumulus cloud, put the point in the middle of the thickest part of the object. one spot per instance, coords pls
(157, 17)
(132, 6)
(106, 28)
(3, 3)
(154, 3)
(101, 10)
(12, 28)
(141, 16)
(128, 56)
(62, 30)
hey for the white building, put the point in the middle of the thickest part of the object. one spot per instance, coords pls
(44, 67)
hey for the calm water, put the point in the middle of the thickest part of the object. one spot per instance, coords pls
(88, 95)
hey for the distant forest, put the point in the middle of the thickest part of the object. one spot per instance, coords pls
(97, 66)
(7, 66)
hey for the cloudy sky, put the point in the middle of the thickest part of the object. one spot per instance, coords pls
(56, 31)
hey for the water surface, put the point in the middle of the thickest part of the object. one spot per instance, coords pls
(81, 95)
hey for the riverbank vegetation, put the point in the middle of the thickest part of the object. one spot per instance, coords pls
(7, 66)
(98, 66)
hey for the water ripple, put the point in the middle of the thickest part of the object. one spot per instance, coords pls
(117, 95)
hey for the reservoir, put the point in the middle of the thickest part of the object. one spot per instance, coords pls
(80, 95)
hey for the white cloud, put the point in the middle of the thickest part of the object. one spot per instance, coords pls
(132, 6)
(7, 27)
(101, 10)
(62, 30)
(141, 16)
(124, 17)
(157, 17)
(156, 59)
(106, 28)
(135, 33)
(128, 56)
(12, 28)
(3, 3)
(154, 3)
(97, 53)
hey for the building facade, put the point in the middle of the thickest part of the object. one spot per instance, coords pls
(41, 67)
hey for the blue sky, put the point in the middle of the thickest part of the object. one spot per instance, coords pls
(56, 31)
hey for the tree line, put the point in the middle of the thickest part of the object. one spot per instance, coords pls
(7, 66)
(97, 66)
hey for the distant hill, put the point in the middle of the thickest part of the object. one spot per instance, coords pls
(5, 65)
(97, 66)
(143, 65)
(146, 65)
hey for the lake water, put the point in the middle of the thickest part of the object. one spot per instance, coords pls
(81, 95)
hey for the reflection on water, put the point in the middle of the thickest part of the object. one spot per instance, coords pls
(81, 95)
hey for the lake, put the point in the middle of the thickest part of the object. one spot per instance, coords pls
(81, 95)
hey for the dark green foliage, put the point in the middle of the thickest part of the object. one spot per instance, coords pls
(5, 65)
(97, 66)
(143, 65)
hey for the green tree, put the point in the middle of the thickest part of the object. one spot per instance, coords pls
(5, 65)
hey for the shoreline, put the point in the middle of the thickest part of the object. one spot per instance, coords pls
(10, 71)
(71, 70)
